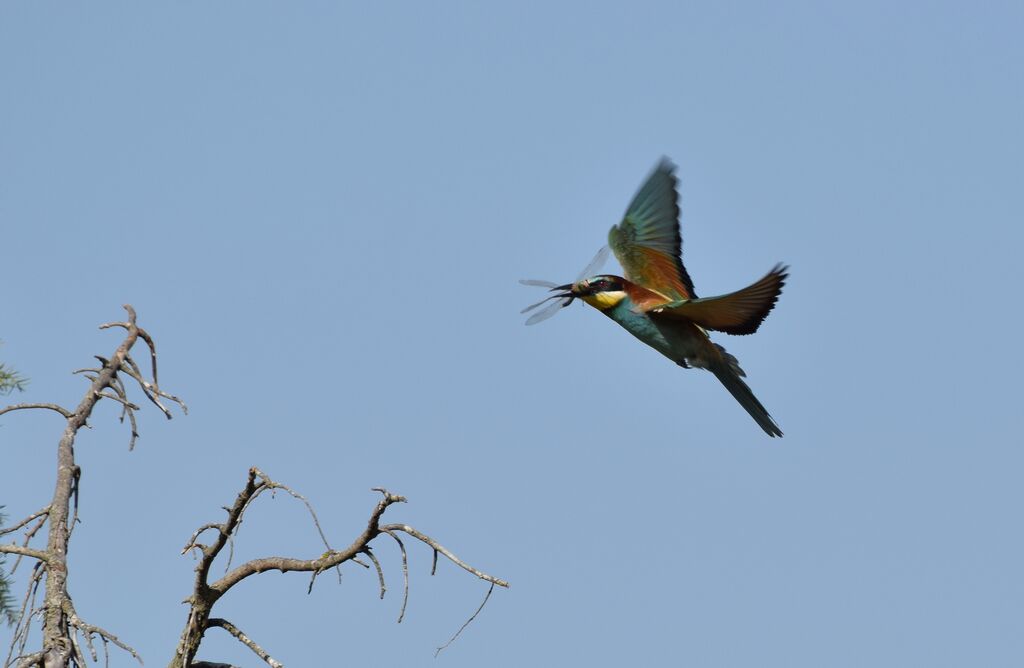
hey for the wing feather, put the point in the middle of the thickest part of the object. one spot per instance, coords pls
(647, 242)
(740, 312)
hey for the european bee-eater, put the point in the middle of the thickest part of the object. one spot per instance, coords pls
(656, 302)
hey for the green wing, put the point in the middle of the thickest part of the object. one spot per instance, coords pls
(647, 241)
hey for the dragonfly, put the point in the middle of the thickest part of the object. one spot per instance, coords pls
(563, 296)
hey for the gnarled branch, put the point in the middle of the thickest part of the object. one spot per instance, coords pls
(205, 593)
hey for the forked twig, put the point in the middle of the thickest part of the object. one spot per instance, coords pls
(39, 513)
(76, 622)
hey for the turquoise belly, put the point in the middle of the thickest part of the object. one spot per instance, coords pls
(675, 343)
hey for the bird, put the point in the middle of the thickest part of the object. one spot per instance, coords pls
(656, 302)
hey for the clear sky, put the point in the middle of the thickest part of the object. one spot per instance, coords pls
(320, 210)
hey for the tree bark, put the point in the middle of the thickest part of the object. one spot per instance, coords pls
(56, 599)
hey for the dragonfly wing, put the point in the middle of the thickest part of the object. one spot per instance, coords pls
(548, 311)
(595, 265)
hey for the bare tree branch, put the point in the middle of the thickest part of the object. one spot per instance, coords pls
(245, 640)
(60, 623)
(192, 544)
(61, 626)
(206, 594)
(286, 564)
(90, 629)
(144, 335)
(124, 402)
(405, 573)
(21, 628)
(22, 407)
(150, 390)
(27, 538)
(312, 513)
(38, 513)
(445, 551)
(88, 642)
(77, 655)
(380, 571)
(11, 548)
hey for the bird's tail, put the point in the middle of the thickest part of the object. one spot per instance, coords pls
(731, 375)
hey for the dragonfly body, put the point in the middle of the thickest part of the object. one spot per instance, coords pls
(656, 301)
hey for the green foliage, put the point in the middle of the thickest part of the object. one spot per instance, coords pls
(7, 611)
(10, 380)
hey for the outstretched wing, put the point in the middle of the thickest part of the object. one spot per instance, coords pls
(647, 242)
(740, 312)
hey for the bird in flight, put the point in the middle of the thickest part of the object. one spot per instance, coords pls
(656, 302)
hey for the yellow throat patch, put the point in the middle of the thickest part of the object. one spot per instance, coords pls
(603, 301)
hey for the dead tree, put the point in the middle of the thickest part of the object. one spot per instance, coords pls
(205, 593)
(64, 632)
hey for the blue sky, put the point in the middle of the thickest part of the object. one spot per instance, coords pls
(320, 211)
